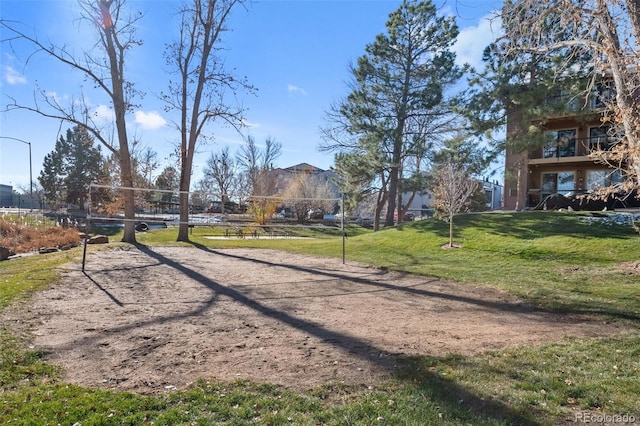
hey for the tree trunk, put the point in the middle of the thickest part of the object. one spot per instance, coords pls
(518, 186)
(394, 175)
(120, 109)
(405, 208)
(129, 235)
(399, 207)
(185, 183)
(633, 10)
(627, 106)
(451, 231)
(382, 200)
(393, 189)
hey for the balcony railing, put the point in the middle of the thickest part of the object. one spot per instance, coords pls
(574, 147)
(563, 148)
(573, 103)
(598, 143)
(565, 101)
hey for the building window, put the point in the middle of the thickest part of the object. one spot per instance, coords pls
(561, 143)
(558, 183)
(599, 138)
(563, 98)
(602, 95)
(601, 178)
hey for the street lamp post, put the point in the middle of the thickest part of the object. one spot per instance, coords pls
(30, 169)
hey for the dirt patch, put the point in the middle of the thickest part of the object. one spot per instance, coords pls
(630, 267)
(156, 319)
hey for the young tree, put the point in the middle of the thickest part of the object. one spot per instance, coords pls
(51, 178)
(201, 86)
(452, 188)
(104, 67)
(397, 103)
(452, 183)
(145, 164)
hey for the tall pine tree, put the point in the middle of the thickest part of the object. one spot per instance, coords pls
(71, 167)
(397, 106)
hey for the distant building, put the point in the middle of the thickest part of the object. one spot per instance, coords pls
(422, 203)
(6, 195)
(493, 192)
(282, 177)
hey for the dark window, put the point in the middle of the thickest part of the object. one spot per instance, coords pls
(602, 95)
(560, 183)
(561, 143)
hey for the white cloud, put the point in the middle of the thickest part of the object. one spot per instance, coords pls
(150, 120)
(472, 40)
(249, 124)
(295, 89)
(13, 77)
(103, 112)
(53, 96)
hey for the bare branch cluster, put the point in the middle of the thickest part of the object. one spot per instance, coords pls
(452, 189)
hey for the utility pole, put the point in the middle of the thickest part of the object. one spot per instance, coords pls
(30, 169)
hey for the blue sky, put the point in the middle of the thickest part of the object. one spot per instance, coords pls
(295, 52)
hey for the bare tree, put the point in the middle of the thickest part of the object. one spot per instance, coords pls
(254, 161)
(452, 189)
(220, 174)
(256, 166)
(145, 164)
(116, 37)
(306, 193)
(202, 85)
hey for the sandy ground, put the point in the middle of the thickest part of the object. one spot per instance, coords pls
(156, 319)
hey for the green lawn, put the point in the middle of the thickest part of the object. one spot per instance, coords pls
(559, 261)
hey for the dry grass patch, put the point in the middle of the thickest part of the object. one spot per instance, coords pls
(21, 238)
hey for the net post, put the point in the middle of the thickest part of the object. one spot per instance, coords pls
(344, 236)
(86, 231)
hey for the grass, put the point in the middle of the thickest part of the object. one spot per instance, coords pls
(22, 276)
(554, 260)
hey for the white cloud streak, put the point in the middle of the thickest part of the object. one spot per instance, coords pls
(150, 120)
(13, 77)
(291, 88)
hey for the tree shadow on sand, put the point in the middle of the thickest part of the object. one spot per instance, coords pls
(444, 393)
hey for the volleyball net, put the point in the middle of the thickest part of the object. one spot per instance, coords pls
(252, 215)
